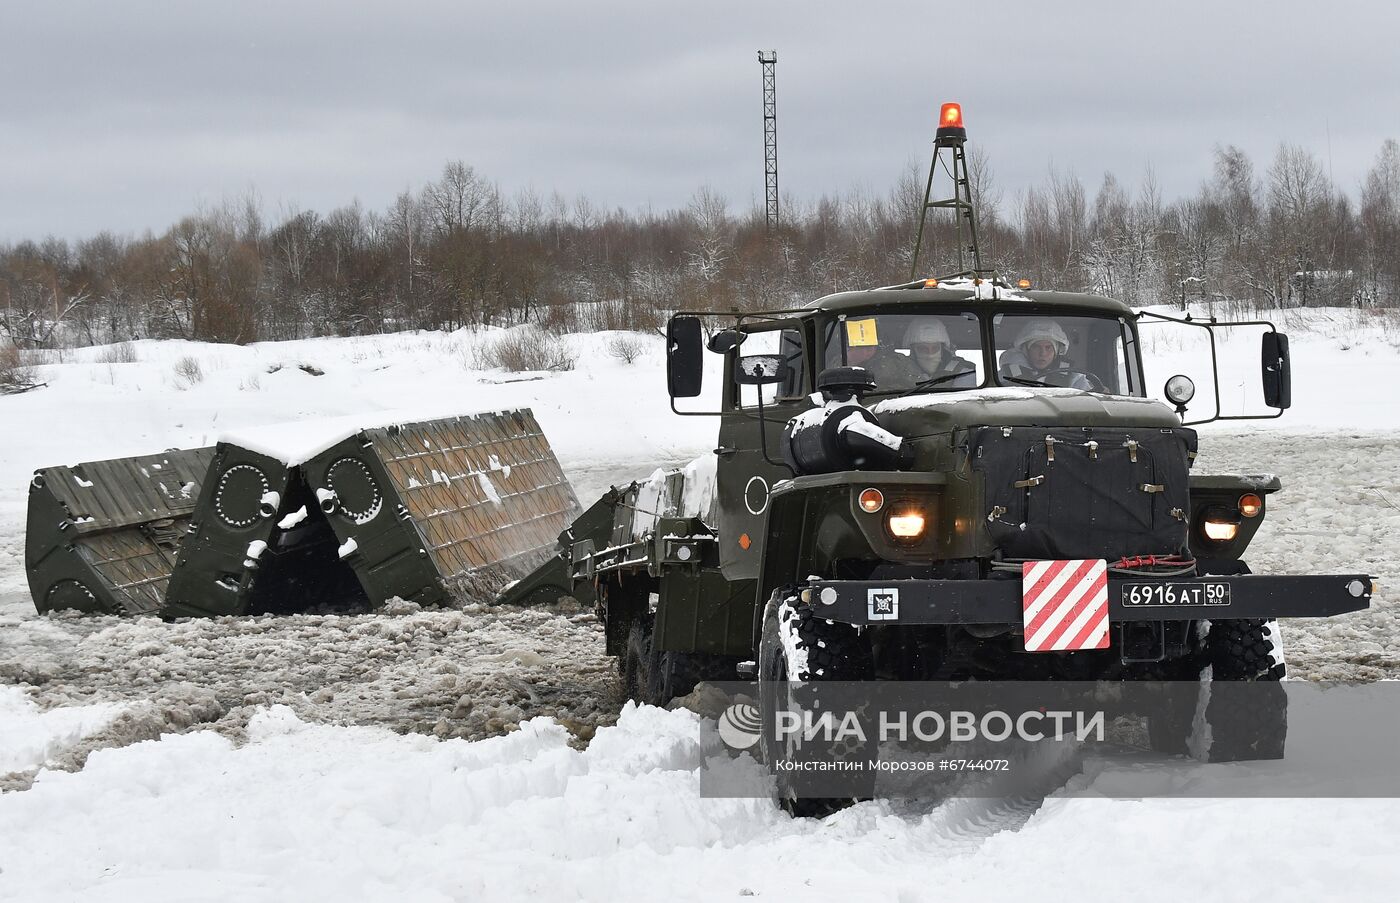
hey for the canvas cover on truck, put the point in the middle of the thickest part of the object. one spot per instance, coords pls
(1056, 493)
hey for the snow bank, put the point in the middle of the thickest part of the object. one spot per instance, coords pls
(30, 738)
(312, 811)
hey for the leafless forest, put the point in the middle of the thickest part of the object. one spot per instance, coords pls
(460, 252)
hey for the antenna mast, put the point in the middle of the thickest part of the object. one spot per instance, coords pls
(952, 136)
(768, 60)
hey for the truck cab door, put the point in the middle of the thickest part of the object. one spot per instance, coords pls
(745, 474)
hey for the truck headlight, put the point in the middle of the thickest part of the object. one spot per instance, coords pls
(905, 522)
(1219, 530)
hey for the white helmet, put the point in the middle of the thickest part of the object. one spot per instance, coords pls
(929, 330)
(1044, 330)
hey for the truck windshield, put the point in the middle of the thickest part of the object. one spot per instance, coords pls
(935, 352)
(1096, 354)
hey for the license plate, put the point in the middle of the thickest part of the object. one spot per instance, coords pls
(1155, 594)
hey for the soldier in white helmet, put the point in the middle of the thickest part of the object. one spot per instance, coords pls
(931, 362)
(1039, 357)
(931, 350)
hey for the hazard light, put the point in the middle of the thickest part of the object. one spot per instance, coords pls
(950, 126)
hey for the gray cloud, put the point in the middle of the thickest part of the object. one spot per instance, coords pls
(125, 116)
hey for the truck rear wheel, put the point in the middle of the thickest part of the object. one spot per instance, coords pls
(1240, 712)
(637, 665)
(653, 677)
(797, 652)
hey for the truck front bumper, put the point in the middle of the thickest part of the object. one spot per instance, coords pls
(998, 601)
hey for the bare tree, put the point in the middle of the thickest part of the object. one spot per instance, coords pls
(456, 199)
(1298, 192)
(1380, 224)
(986, 193)
(712, 249)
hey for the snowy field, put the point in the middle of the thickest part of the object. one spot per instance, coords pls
(484, 754)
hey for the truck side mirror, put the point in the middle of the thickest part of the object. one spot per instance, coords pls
(760, 370)
(725, 341)
(1278, 384)
(684, 352)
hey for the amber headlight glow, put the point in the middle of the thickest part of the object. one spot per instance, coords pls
(1250, 505)
(906, 522)
(872, 500)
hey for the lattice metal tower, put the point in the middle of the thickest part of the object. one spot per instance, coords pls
(768, 60)
(952, 135)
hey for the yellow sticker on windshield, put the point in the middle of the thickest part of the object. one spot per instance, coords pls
(861, 333)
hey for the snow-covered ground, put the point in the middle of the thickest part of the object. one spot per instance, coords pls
(484, 754)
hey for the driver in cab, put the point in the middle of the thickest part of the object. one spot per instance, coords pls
(1038, 358)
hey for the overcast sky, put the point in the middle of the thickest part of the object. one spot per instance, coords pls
(126, 115)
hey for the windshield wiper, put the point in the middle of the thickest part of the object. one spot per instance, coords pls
(931, 382)
(1095, 384)
(1029, 382)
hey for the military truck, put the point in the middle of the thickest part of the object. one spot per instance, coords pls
(947, 479)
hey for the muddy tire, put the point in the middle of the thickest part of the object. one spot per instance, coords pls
(833, 652)
(653, 677)
(1248, 709)
(1245, 650)
(637, 665)
(1173, 698)
(1237, 710)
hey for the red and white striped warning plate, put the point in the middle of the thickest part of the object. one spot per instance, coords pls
(1064, 605)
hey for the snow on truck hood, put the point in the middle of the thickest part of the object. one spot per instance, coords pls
(914, 415)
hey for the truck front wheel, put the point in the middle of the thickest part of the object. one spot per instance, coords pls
(1239, 711)
(1248, 709)
(797, 653)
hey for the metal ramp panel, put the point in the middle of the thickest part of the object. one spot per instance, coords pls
(104, 536)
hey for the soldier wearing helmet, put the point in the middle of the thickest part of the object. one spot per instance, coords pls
(930, 363)
(931, 350)
(1039, 357)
